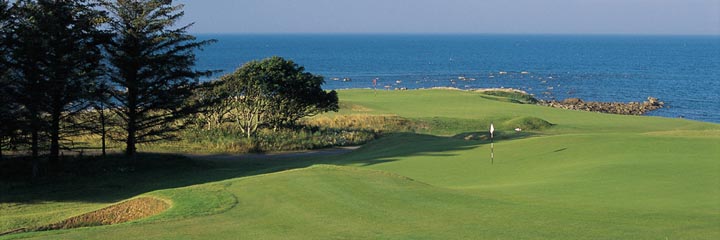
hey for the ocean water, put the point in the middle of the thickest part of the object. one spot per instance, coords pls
(682, 71)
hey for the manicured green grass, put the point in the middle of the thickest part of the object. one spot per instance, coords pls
(587, 176)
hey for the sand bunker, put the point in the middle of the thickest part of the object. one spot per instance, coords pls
(119, 213)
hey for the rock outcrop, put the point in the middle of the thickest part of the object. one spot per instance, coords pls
(631, 108)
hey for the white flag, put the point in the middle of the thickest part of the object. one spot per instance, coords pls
(492, 129)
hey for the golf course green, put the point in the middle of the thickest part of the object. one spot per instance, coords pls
(566, 175)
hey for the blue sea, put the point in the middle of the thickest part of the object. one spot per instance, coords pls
(682, 71)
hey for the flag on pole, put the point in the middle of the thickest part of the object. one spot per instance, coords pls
(492, 144)
(492, 130)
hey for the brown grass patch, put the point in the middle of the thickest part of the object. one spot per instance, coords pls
(376, 123)
(354, 107)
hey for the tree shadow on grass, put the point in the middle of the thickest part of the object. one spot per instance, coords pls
(113, 179)
(399, 146)
(97, 179)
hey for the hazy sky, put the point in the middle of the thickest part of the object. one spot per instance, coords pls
(455, 16)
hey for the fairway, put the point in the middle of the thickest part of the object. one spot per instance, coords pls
(583, 176)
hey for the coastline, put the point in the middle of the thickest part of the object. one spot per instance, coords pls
(619, 108)
(605, 68)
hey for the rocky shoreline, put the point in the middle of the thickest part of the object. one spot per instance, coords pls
(631, 108)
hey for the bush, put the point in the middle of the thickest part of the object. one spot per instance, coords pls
(528, 123)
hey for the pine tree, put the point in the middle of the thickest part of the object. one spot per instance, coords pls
(57, 55)
(8, 107)
(151, 68)
(23, 82)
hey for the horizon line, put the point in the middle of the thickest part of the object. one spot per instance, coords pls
(458, 33)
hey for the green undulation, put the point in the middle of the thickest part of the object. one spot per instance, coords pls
(586, 176)
(528, 123)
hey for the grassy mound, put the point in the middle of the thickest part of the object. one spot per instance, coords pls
(528, 123)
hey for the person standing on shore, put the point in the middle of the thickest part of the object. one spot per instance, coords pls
(374, 81)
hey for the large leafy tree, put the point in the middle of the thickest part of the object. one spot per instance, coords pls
(244, 97)
(295, 93)
(215, 107)
(56, 56)
(273, 93)
(151, 68)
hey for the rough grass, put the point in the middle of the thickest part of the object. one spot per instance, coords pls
(232, 140)
(374, 123)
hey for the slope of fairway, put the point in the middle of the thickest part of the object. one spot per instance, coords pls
(589, 176)
(339, 202)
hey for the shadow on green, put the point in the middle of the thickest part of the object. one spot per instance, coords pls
(115, 178)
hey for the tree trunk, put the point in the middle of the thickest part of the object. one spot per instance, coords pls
(130, 143)
(130, 149)
(132, 99)
(103, 130)
(103, 142)
(55, 137)
(35, 151)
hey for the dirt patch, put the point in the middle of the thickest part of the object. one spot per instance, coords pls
(119, 213)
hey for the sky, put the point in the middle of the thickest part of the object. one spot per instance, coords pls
(674, 17)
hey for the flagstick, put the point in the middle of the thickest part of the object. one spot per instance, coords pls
(492, 150)
(492, 144)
